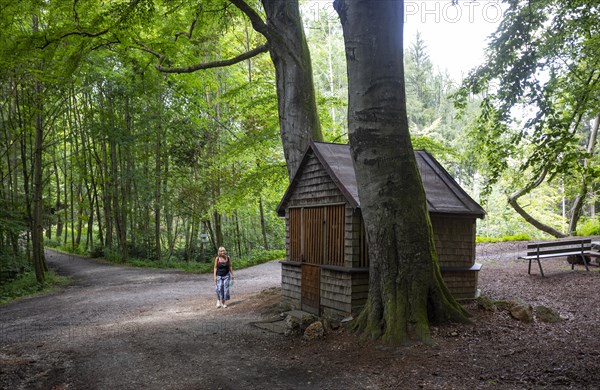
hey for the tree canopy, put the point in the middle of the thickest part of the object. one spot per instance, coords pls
(541, 88)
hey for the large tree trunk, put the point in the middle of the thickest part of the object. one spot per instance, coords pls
(298, 117)
(406, 291)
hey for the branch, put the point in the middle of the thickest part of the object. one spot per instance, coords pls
(188, 34)
(156, 54)
(216, 64)
(257, 23)
(512, 200)
(81, 33)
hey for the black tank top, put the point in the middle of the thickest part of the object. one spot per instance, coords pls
(223, 267)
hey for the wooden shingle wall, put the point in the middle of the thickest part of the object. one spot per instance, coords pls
(360, 291)
(455, 246)
(343, 293)
(336, 293)
(454, 240)
(315, 186)
(291, 277)
(352, 238)
(462, 284)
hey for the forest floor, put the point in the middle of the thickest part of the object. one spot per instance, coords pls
(128, 328)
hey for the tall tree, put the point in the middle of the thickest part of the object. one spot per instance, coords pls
(406, 291)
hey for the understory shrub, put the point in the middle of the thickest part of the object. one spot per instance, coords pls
(518, 237)
(27, 285)
(589, 227)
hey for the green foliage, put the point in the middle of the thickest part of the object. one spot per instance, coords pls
(544, 204)
(26, 285)
(256, 258)
(589, 227)
(518, 237)
(11, 266)
(324, 37)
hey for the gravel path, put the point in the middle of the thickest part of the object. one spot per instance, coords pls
(120, 327)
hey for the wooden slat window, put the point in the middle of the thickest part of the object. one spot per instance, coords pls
(317, 234)
(336, 219)
(295, 238)
(313, 223)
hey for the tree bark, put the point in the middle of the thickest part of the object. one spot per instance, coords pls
(298, 116)
(39, 261)
(158, 193)
(57, 207)
(263, 224)
(406, 291)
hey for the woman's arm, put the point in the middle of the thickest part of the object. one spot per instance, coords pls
(215, 270)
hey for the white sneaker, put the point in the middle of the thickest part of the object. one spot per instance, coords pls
(224, 305)
(219, 303)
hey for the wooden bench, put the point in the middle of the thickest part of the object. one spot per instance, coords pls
(581, 248)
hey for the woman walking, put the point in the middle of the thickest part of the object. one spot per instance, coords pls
(222, 274)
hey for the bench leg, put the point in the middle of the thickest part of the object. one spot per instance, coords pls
(540, 265)
(585, 262)
(529, 269)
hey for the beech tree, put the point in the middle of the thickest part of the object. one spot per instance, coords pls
(406, 290)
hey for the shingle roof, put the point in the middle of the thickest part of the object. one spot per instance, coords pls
(444, 195)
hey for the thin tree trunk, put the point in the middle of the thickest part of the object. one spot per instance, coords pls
(585, 180)
(79, 213)
(106, 198)
(157, 197)
(72, 204)
(218, 229)
(66, 186)
(238, 235)
(37, 224)
(263, 224)
(59, 222)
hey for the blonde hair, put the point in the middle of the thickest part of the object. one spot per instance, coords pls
(223, 248)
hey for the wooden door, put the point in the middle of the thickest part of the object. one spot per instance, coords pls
(313, 220)
(311, 288)
(316, 237)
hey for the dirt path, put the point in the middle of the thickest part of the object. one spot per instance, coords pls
(119, 327)
(128, 328)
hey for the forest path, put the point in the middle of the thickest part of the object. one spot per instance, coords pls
(119, 327)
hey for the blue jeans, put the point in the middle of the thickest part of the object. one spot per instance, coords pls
(223, 287)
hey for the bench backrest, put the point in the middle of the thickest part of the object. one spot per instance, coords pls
(552, 247)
